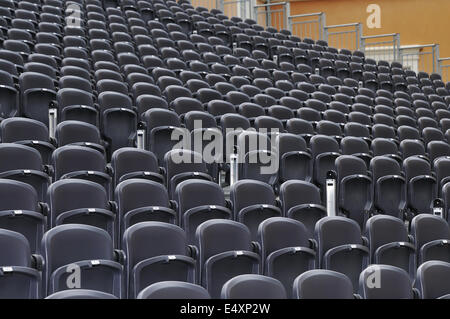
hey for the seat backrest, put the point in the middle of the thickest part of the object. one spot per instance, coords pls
(135, 193)
(218, 235)
(71, 158)
(194, 193)
(15, 249)
(295, 192)
(332, 231)
(279, 232)
(253, 287)
(150, 239)
(429, 279)
(394, 283)
(322, 284)
(426, 228)
(16, 156)
(173, 290)
(69, 243)
(19, 129)
(68, 194)
(245, 193)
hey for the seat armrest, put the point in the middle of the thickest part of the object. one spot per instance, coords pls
(113, 206)
(44, 208)
(193, 251)
(37, 262)
(119, 256)
(256, 247)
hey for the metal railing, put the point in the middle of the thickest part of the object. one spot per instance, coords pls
(209, 4)
(272, 14)
(420, 57)
(444, 69)
(344, 36)
(382, 47)
(310, 25)
(236, 8)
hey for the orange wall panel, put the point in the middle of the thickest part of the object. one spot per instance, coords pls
(417, 21)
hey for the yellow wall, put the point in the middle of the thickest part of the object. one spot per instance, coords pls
(417, 21)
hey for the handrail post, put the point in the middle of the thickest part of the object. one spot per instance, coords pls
(287, 12)
(323, 23)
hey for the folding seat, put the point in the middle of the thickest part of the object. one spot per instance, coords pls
(182, 105)
(406, 121)
(206, 95)
(135, 204)
(256, 157)
(27, 132)
(236, 98)
(432, 134)
(17, 46)
(424, 112)
(356, 146)
(383, 119)
(224, 87)
(441, 113)
(253, 286)
(192, 119)
(91, 252)
(253, 202)
(413, 147)
(280, 112)
(387, 147)
(355, 192)
(307, 208)
(384, 81)
(316, 104)
(20, 277)
(329, 128)
(394, 283)
(348, 88)
(341, 247)
(160, 124)
(403, 102)
(9, 102)
(421, 184)
(79, 133)
(300, 95)
(77, 201)
(436, 149)
(356, 129)
(13, 57)
(118, 119)
(106, 85)
(75, 71)
(145, 88)
(37, 95)
(268, 125)
(322, 284)
(173, 290)
(424, 122)
(183, 164)
(102, 55)
(324, 150)
(221, 260)
(429, 280)
(23, 163)
(370, 80)
(431, 234)
(76, 104)
(363, 99)
(390, 243)
(414, 89)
